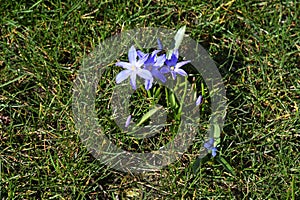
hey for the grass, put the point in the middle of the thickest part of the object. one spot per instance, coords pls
(256, 47)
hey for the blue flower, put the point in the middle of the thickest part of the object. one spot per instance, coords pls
(133, 68)
(159, 44)
(152, 64)
(128, 121)
(173, 66)
(209, 145)
(199, 100)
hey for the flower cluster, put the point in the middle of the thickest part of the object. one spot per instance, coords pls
(149, 66)
(156, 66)
(209, 145)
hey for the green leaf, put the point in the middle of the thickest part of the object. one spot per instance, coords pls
(179, 37)
(203, 158)
(227, 166)
(216, 134)
(157, 93)
(172, 100)
(149, 114)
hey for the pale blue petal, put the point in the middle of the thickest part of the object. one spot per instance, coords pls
(209, 144)
(173, 75)
(141, 62)
(159, 43)
(123, 75)
(155, 52)
(132, 55)
(181, 72)
(141, 54)
(125, 65)
(214, 151)
(180, 64)
(133, 80)
(199, 100)
(145, 74)
(165, 70)
(160, 61)
(157, 74)
(128, 121)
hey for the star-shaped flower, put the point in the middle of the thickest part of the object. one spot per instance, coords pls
(133, 68)
(209, 145)
(174, 67)
(152, 64)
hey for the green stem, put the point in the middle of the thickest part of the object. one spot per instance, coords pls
(182, 99)
(202, 93)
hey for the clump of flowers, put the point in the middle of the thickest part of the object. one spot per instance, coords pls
(133, 68)
(209, 145)
(156, 66)
(150, 66)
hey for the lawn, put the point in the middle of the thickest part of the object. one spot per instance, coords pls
(256, 47)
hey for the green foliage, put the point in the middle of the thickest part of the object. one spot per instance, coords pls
(256, 47)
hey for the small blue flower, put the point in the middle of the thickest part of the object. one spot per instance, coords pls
(173, 66)
(159, 44)
(133, 68)
(128, 121)
(199, 100)
(209, 145)
(214, 151)
(152, 64)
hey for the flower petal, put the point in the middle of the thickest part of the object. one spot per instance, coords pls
(123, 75)
(160, 61)
(145, 74)
(132, 55)
(209, 144)
(150, 61)
(155, 52)
(181, 72)
(157, 74)
(133, 80)
(214, 151)
(199, 100)
(159, 43)
(176, 54)
(128, 121)
(171, 62)
(141, 61)
(165, 69)
(173, 75)
(180, 64)
(141, 54)
(125, 65)
(148, 84)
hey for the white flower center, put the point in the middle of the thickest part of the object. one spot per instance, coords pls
(133, 68)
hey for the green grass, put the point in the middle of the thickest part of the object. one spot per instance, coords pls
(256, 47)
